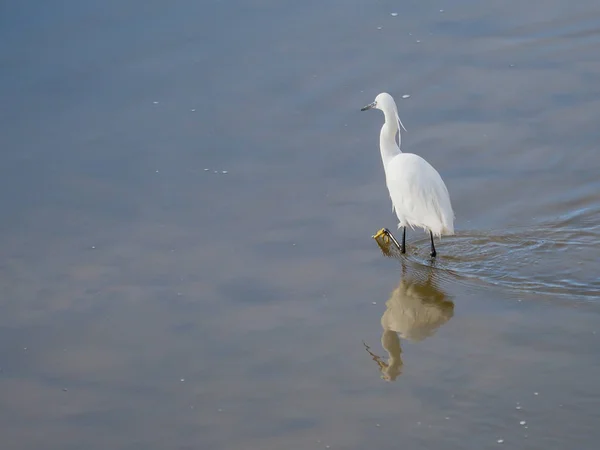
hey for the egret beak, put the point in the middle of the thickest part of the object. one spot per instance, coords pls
(369, 106)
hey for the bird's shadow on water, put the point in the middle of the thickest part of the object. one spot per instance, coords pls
(415, 310)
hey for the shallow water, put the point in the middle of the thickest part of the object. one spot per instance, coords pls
(151, 300)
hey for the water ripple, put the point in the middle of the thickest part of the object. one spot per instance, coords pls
(557, 259)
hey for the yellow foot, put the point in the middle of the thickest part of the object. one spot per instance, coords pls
(380, 234)
(386, 241)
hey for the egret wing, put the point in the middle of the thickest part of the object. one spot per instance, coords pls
(419, 195)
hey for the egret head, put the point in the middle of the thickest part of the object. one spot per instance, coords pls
(385, 102)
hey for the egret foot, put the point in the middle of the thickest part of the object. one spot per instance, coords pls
(380, 233)
(385, 239)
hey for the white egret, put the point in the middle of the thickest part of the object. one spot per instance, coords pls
(418, 193)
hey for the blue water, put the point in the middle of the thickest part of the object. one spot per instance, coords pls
(189, 192)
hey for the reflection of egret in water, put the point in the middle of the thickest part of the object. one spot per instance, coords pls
(415, 310)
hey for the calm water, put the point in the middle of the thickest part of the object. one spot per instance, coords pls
(152, 301)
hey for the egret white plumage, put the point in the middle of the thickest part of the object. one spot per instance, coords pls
(418, 193)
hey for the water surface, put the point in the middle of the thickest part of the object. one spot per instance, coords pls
(189, 192)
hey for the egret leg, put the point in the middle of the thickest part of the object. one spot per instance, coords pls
(403, 250)
(433, 252)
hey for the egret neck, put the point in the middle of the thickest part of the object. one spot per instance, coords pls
(387, 138)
